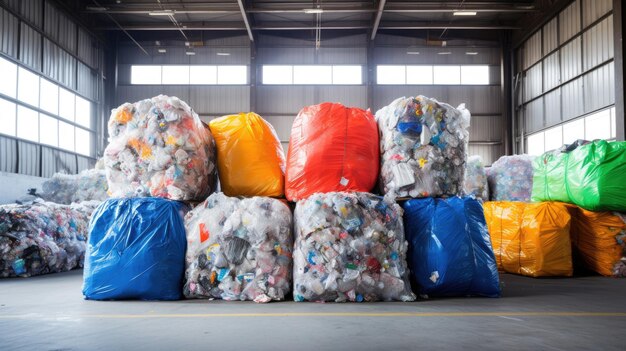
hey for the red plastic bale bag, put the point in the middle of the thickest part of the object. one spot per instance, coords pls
(332, 148)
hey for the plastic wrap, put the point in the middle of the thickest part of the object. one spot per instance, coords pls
(159, 147)
(450, 252)
(531, 239)
(88, 185)
(423, 147)
(136, 250)
(349, 247)
(590, 176)
(239, 249)
(599, 241)
(332, 148)
(41, 238)
(250, 157)
(511, 178)
(476, 179)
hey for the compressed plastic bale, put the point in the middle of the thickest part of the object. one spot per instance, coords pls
(159, 147)
(136, 250)
(599, 241)
(239, 249)
(475, 183)
(450, 253)
(511, 178)
(41, 238)
(349, 247)
(332, 148)
(549, 182)
(531, 239)
(423, 147)
(88, 185)
(250, 157)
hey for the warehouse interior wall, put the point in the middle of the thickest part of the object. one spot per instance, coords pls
(52, 90)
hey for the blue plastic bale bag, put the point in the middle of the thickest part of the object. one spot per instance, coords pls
(136, 250)
(450, 250)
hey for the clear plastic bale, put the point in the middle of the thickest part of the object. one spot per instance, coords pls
(350, 247)
(475, 183)
(423, 147)
(159, 147)
(511, 178)
(88, 185)
(239, 249)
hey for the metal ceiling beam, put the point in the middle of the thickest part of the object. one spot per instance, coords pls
(245, 19)
(379, 14)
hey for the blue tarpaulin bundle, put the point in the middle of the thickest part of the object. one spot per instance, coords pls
(450, 250)
(136, 250)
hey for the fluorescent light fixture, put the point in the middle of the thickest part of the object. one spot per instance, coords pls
(162, 51)
(190, 53)
(444, 53)
(313, 11)
(223, 54)
(95, 8)
(412, 52)
(161, 13)
(471, 53)
(187, 43)
(464, 13)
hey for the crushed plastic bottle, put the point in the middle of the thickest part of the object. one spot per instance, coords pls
(511, 178)
(239, 249)
(349, 247)
(423, 147)
(90, 184)
(476, 179)
(43, 237)
(159, 147)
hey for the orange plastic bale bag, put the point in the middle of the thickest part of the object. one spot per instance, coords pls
(530, 239)
(599, 241)
(332, 148)
(250, 157)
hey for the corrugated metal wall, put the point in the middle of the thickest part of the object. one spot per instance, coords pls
(33, 26)
(570, 79)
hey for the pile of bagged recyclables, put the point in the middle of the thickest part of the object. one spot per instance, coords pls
(511, 178)
(159, 147)
(88, 185)
(423, 147)
(239, 249)
(331, 148)
(476, 179)
(250, 157)
(42, 237)
(349, 247)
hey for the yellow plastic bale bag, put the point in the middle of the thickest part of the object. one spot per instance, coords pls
(599, 241)
(530, 239)
(250, 157)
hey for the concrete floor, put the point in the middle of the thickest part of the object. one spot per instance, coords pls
(49, 313)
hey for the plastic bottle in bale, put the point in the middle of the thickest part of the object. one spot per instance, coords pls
(423, 147)
(159, 147)
(349, 247)
(476, 179)
(239, 249)
(250, 157)
(511, 178)
(332, 148)
(41, 238)
(136, 250)
(450, 251)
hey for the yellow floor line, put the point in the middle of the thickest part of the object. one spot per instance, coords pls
(324, 314)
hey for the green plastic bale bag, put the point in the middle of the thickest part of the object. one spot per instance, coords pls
(549, 177)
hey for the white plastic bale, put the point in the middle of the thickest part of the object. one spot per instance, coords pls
(159, 147)
(239, 249)
(90, 184)
(423, 147)
(349, 247)
(511, 178)
(476, 179)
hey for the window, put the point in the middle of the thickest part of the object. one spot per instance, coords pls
(391, 74)
(478, 75)
(347, 75)
(83, 141)
(535, 144)
(66, 104)
(28, 87)
(83, 112)
(232, 75)
(49, 130)
(447, 75)
(419, 75)
(145, 75)
(202, 75)
(573, 131)
(312, 75)
(613, 123)
(27, 124)
(553, 138)
(277, 74)
(66, 136)
(8, 83)
(598, 125)
(49, 99)
(175, 75)
(7, 117)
